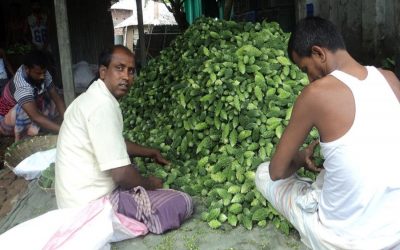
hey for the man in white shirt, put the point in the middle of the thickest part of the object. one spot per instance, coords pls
(93, 158)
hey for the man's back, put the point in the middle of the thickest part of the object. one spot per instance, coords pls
(352, 204)
(362, 167)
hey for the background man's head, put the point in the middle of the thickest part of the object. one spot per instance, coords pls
(314, 31)
(35, 66)
(36, 6)
(117, 69)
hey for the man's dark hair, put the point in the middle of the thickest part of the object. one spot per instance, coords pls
(105, 56)
(36, 58)
(314, 31)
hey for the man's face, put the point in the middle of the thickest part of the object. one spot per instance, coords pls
(35, 74)
(311, 65)
(118, 76)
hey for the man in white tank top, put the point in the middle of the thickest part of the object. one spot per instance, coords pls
(354, 202)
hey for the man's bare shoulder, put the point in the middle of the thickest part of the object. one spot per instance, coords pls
(388, 74)
(324, 96)
(393, 81)
(321, 88)
(329, 104)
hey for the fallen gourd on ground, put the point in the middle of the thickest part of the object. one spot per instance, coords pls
(216, 103)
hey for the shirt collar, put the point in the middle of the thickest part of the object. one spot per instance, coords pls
(102, 86)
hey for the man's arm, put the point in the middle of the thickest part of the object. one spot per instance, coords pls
(58, 101)
(128, 177)
(141, 151)
(36, 116)
(393, 81)
(104, 129)
(287, 158)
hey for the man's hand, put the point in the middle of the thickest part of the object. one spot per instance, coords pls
(154, 183)
(158, 158)
(141, 151)
(39, 118)
(309, 159)
(128, 177)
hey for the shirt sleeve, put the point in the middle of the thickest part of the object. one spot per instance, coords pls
(23, 95)
(23, 91)
(48, 80)
(105, 132)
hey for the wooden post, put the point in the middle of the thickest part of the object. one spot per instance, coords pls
(60, 8)
(141, 32)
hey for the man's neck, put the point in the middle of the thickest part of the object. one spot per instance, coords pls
(342, 60)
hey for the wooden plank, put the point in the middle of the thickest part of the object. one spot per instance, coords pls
(141, 32)
(60, 9)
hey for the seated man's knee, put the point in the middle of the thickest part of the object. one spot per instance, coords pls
(165, 210)
(263, 179)
(262, 174)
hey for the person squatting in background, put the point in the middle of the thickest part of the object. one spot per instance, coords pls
(30, 101)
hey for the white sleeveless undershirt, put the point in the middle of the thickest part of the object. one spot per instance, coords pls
(361, 193)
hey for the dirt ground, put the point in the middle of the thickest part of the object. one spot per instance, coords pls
(11, 186)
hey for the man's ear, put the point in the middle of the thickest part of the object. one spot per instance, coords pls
(318, 52)
(102, 72)
(26, 68)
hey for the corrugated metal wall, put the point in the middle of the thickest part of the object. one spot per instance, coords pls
(281, 11)
(371, 28)
(91, 28)
(90, 25)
